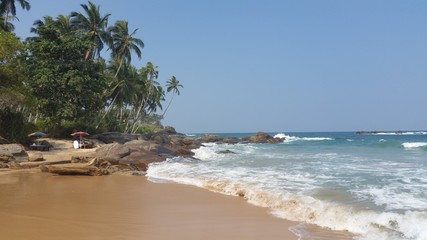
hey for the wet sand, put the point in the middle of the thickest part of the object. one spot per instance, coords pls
(36, 205)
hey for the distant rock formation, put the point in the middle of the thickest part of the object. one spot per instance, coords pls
(262, 137)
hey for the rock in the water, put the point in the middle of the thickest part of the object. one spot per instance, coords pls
(262, 137)
(226, 152)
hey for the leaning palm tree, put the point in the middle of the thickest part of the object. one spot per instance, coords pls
(123, 44)
(172, 85)
(8, 7)
(92, 25)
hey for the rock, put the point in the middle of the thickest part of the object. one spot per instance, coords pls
(36, 158)
(17, 151)
(210, 138)
(169, 130)
(226, 152)
(262, 137)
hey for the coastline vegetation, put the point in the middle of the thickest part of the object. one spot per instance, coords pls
(58, 80)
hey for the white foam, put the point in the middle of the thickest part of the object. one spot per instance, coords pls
(294, 138)
(412, 145)
(367, 225)
(400, 133)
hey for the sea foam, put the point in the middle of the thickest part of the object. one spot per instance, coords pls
(293, 138)
(412, 145)
(366, 224)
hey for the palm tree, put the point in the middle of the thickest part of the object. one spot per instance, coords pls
(8, 7)
(7, 27)
(93, 25)
(147, 89)
(172, 85)
(123, 43)
(40, 24)
(64, 25)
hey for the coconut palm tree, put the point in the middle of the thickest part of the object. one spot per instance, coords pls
(93, 25)
(172, 85)
(8, 7)
(123, 43)
(64, 26)
(7, 27)
(47, 21)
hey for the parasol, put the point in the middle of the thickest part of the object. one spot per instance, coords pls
(81, 134)
(37, 134)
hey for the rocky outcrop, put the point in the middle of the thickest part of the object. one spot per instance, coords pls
(10, 153)
(137, 154)
(262, 137)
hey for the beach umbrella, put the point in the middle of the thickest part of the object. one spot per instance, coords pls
(37, 134)
(81, 134)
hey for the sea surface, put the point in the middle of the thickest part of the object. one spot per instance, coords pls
(371, 185)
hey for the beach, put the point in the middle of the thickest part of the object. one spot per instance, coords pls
(36, 205)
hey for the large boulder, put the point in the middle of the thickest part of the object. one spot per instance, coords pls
(13, 152)
(262, 137)
(137, 154)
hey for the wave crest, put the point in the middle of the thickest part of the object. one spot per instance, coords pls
(413, 145)
(294, 138)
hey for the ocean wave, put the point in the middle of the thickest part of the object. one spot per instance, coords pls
(366, 224)
(413, 145)
(294, 138)
(398, 133)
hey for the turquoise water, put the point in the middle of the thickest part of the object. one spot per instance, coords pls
(374, 186)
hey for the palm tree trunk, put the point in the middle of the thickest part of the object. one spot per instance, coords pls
(118, 69)
(173, 95)
(108, 110)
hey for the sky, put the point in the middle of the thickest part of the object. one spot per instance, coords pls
(278, 65)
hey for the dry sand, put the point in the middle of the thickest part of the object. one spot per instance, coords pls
(35, 205)
(43, 206)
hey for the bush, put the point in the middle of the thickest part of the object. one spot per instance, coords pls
(14, 127)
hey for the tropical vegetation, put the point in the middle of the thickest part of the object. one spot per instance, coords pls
(61, 79)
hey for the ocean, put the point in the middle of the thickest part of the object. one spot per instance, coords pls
(371, 185)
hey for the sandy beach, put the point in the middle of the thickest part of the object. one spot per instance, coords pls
(35, 206)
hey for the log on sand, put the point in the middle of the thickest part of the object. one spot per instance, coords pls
(93, 168)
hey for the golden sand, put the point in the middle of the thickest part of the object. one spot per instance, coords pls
(43, 206)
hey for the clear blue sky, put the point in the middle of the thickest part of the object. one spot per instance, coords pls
(273, 65)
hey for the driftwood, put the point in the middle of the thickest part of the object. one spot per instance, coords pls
(74, 170)
(38, 164)
(96, 167)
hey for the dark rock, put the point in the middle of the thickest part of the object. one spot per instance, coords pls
(210, 138)
(262, 137)
(226, 152)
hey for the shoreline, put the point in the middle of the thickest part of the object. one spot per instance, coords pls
(126, 207)
(172, 207)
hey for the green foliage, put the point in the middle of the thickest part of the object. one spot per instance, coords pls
(13, 92)
(67, 86)
(58, 80)
(14, 127)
